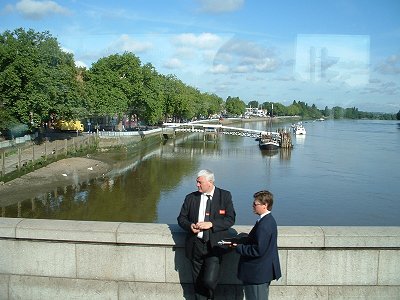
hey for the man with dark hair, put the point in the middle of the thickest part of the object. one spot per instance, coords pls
(206, 215)
(259, 260)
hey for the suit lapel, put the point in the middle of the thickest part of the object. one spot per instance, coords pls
(215, 203)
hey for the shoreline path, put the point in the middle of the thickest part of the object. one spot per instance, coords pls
(57, 174)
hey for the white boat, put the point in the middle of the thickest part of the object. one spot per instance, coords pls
(299, 129)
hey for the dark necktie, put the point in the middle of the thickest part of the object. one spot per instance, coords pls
(206, 233)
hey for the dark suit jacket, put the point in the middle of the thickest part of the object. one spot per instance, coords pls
(222, 217)
(259, 260)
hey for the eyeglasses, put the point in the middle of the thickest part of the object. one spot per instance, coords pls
(255, 204)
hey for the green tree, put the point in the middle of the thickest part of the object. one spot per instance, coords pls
(293, 110)
(36, 78)
(235, 106)
(351, 113)
(327, 112)
(114, 84)
(214, 102)
(176, 103)
(280, 109)
(152, 97)
(253, 104)
(338, 112)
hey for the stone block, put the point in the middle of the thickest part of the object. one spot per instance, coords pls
(40, 259)
(298, 292)
(304, 236)
(26, 287)
(4, 280)
(332, 267)
(389, 268)
(364, 292)
(121, 262)
(66, 230)
(153, 234)
(283, 261)
(229, 292)
(178, 267)
(240, 229)
(154, 291)
(362, 236)
(7, 227)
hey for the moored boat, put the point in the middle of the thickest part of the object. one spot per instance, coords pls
(299, 129)
(269, 141)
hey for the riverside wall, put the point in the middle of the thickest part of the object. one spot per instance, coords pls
(59, 259)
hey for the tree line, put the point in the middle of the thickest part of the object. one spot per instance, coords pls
(302, 109)
(39, 81)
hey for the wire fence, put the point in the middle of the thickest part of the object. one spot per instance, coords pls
(28, 155)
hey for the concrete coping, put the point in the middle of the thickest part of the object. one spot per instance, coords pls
(173, 235)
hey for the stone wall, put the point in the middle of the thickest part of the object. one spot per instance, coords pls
(57, 259)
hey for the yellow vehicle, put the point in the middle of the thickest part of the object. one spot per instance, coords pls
(73, 125)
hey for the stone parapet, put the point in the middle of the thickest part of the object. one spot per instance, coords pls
(47, 259)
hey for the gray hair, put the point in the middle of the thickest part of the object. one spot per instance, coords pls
(209, 175)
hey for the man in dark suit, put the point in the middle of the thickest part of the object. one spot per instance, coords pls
(206, 222)
(259, 260)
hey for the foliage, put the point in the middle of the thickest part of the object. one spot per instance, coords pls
(38, 81)
(252, 104)
(36, 78)
(235, 106)
(113, 84)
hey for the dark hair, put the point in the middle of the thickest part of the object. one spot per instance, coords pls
(265, 197)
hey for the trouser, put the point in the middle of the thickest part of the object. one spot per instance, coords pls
(205, 270)
(256, 291)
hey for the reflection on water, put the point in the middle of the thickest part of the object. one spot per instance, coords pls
(334, 169)
(133, 190)
(131, 194)
(300, 139)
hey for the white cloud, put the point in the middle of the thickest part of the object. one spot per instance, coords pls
(173, 63)
(266, 65)
(66, 50)
(80, 64)
(202, 41)
(239, 53)
(126, 43)
(241, 69)
(219, 69)
(185, 53)
(33, 9)
(390, 66)
(213, 6)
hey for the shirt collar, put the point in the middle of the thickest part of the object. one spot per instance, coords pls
(210, 193)
(264, 214)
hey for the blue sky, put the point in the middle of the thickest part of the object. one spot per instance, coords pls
(328, 53)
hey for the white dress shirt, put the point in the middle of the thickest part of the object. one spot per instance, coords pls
(202, 209)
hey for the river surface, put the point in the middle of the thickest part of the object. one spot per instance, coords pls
(340, 173)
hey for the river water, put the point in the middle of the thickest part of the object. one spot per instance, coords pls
(340, 173)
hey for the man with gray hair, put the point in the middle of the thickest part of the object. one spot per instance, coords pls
(206, 215)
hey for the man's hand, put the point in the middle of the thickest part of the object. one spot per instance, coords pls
(204, 225)
(195, 228)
